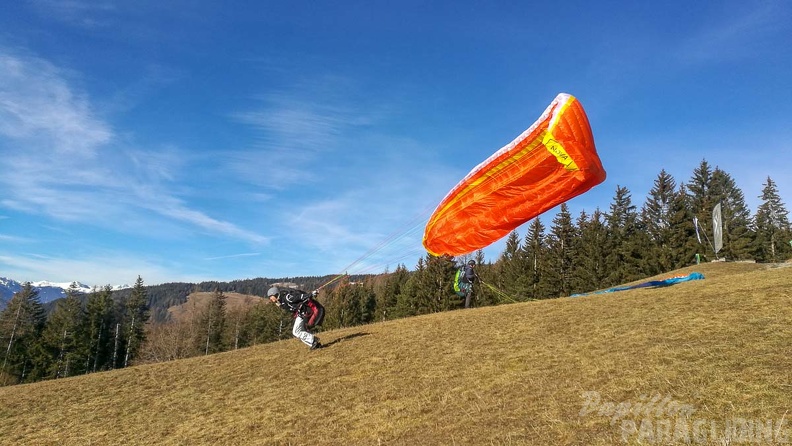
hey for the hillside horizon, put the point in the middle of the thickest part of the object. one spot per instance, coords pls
(631, 367)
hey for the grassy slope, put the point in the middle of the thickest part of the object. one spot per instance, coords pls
(512, 374)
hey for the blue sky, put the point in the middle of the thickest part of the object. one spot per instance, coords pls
(196, 140)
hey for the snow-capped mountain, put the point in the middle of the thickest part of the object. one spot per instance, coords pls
(48, 291)
(80, 287)
(7, 289)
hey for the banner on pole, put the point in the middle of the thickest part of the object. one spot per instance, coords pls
(717, 228)
(695, 223)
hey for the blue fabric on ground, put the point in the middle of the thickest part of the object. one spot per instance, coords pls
(651, 284)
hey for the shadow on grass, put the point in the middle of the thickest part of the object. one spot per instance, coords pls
(344, 338)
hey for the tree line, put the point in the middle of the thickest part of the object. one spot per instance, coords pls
(75, 338)
(574, 254)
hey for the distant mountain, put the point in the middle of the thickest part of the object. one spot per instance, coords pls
(8, 288)
(48, 291)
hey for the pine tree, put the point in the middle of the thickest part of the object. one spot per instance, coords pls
(334, 305)
(21, 323)
(699, 190)
(63, 352)
(682, 237)
(349, 304)
(346, 305)
(387, 301)
(513, 267)
(435, 286)
(415, 299)
(484, 295)
(356, 298)
(656, 218)
(362, 303)
(407, 300)
(368, 301)
(561, 253)
(99, 322)
(212, 322)
(625, 248)
(773, 234)
(590, 271)
(135, 317)
(236, 336)
(534, 251)
(266, 323)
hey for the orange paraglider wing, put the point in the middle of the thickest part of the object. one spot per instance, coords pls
(548, 164)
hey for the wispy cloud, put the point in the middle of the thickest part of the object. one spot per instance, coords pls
(15, 239)
(749, 33)
(93, 270)
(376, 182)
(234, 256)
(374, 213)
(38, 108)
(83, 14)
(295, 122)
(210, 224)
(293, 130)
(62, 160)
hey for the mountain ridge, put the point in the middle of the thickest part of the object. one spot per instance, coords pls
(48, 291)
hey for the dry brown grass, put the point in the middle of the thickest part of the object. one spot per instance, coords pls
(512, 374)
